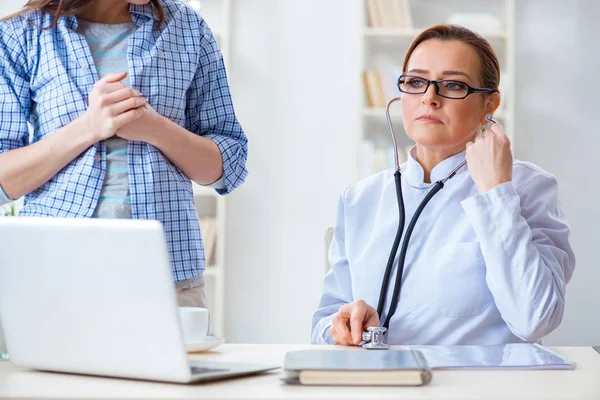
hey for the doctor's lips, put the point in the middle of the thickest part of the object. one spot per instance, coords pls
(429, 118)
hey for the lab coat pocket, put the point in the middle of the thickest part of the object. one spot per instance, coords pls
(460, 288)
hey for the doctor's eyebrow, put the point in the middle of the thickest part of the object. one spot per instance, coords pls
(449, 72)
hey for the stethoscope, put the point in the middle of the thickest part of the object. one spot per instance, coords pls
(373, 338)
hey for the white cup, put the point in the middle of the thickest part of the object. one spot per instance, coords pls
(195, 323)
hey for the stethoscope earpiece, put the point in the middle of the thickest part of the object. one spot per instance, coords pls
(491, 119)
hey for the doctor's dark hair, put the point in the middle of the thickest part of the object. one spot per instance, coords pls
(60, 8)
(490, 67)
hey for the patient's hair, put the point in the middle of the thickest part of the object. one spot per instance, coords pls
(60, 8)
(490, 67)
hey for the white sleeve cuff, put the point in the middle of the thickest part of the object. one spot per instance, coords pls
(219, 184)
(4, 199)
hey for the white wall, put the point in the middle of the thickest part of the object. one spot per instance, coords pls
(557, 128)
(10, 6)
(294, 77)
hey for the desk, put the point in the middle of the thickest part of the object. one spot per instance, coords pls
(581, 383)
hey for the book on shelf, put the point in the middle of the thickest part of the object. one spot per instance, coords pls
(208, 227)
(375, 95)
(481, 22)
(381, 85)
(389, 14)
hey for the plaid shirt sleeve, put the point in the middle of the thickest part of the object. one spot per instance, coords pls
(210, 111)
(15, 99)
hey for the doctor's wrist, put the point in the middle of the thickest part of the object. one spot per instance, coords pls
(485, 187)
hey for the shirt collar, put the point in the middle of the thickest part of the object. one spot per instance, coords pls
(140, 13)
(143, 10)
(415, 175)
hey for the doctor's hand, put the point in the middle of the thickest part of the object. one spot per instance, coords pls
(489, 159)
(111, 105)
(348, 324)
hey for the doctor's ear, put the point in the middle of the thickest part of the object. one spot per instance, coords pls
(492, 102)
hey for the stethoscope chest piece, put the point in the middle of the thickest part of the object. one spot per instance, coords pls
(373, 339)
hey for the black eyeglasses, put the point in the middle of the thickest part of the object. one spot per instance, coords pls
(449, 89)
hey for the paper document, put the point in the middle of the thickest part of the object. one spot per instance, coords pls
(512, 355)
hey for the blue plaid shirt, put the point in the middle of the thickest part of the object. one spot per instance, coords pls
(45, 79)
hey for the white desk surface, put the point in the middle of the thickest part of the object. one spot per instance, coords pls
(581, 383)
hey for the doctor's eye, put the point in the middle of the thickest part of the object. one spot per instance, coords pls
(455, 85)
(412, 84)
(415, 83)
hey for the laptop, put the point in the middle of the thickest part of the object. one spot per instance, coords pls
(96, 296)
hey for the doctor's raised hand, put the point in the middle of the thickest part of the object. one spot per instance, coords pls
(461, 244)
(489, 158)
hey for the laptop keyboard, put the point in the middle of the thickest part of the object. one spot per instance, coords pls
(206, 370)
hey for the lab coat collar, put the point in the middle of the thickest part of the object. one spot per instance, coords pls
(414, 172)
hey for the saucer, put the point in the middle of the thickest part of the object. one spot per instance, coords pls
(209, 342)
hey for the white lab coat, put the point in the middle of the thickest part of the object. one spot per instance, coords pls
(480, 269)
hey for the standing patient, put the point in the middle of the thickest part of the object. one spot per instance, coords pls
(489, 258)
(129, 102)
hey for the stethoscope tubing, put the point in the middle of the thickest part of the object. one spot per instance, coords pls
(402, 216)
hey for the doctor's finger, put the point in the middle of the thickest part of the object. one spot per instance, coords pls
(340, 323)
(333, 333)
(498, 130)
(336, 337)
(357, 321)
(371, 319)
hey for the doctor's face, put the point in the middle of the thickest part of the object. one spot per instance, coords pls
(437, 123)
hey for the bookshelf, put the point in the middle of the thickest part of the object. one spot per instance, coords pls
(389, 26)
(211, 206)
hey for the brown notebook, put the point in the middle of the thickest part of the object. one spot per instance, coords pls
(356, 367)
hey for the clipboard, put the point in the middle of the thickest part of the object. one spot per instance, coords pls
(503, 356)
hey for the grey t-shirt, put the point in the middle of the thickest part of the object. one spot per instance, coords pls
(108, 44)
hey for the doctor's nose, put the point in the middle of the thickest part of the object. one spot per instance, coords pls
(430, 97)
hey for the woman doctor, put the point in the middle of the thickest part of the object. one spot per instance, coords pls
(489, 257)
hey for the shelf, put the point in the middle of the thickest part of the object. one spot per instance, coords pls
(204, 191)
(411, 33)
(212, 271)
(379, 112)
(208, 202)
(391, 32)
